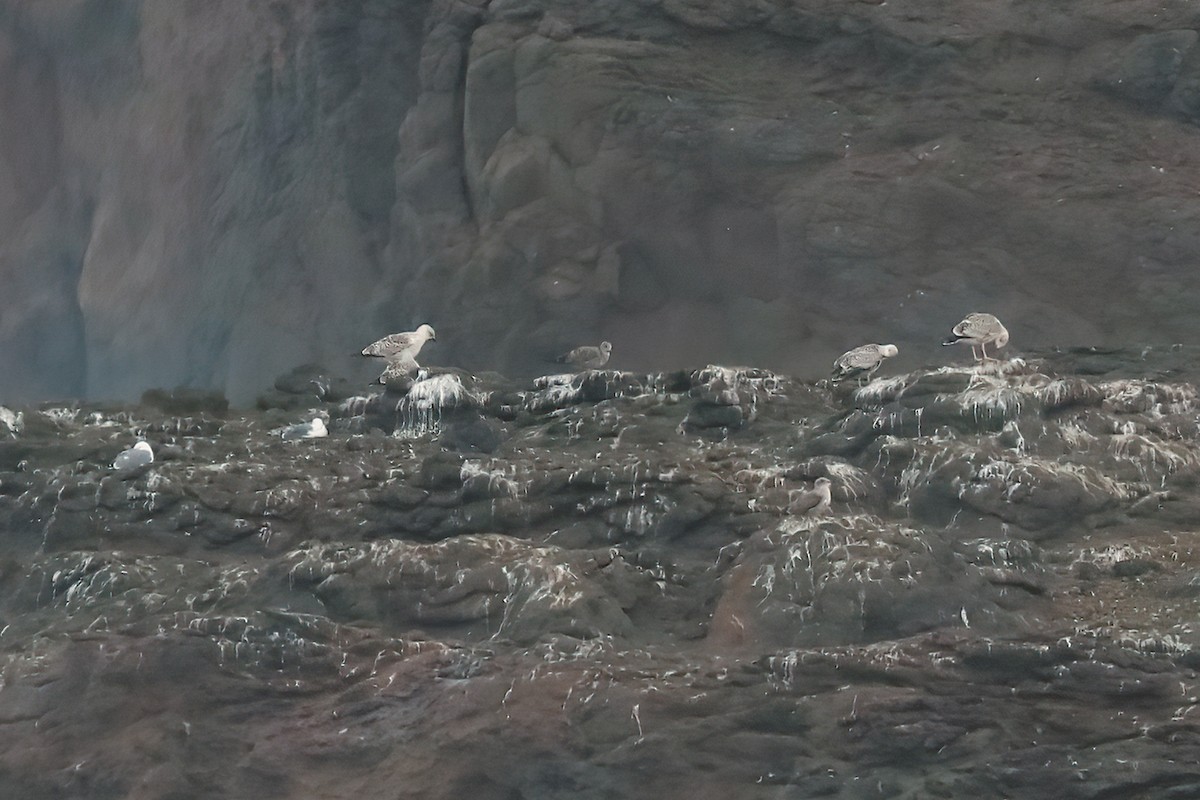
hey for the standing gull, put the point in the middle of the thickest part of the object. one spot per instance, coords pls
(409, 343)
(979, 330)
(815, 502)
(861, 362)
(587, 357)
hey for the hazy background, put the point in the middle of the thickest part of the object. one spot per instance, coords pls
(209, 193)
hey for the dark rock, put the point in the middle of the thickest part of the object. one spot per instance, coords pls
(710, 415)
(314, 382)
(403, 497)
(1135, 567)
(286, 401)
(440, 471)
(1146, 71)
(471, 434)
(184, 401)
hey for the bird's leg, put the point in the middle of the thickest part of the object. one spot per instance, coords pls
(974, 353)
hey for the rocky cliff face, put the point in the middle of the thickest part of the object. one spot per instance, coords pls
(207, 193)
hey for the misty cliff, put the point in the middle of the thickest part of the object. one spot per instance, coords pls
(209, 193)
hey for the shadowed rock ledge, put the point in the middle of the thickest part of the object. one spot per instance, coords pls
(599, 582)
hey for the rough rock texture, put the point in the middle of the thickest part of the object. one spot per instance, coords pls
(594, 585)
(207, 193)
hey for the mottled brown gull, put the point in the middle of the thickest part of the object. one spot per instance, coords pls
(861, 362)
(587, 357)
(408, 343)
(398, 369)
(815, 502)
(979, 330)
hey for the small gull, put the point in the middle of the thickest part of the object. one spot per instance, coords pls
(861, 362)
(409, 343)
(137, 456)
(979, 330)
(587, 357)
(306, 430)
(399, 368)
(815, 502)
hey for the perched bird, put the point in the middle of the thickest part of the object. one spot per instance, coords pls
(979, 330)
(587, 357)
(396, 344)
(815, 502)
(861, 362)
(306, 430)
(11, 423)
(137, 456)
(398, 369)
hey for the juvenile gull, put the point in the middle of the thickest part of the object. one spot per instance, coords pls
(587, 357)
(409, 343)
(979, 330)
(861, 362)
(398, 369)
(815, 502)
(137, 456)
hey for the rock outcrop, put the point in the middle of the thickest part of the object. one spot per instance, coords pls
(599, 584)
(209, 194)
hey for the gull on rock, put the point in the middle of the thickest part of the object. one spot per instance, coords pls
(306, 430)
(398, 344)
(11, 423)
(587, 357)
(815, 502)
(862, 362)
(979, 330)
(399, 368)
(137, 456)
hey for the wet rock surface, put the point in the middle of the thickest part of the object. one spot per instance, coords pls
(614, 596)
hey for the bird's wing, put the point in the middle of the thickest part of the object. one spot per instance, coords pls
(398, 366)
(580, 355)
(128, 459)
(390, 345)
(863, 357)
(806, 502)
(977, 325)
(858, 359)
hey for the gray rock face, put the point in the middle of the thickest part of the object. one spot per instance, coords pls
(210, 195)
